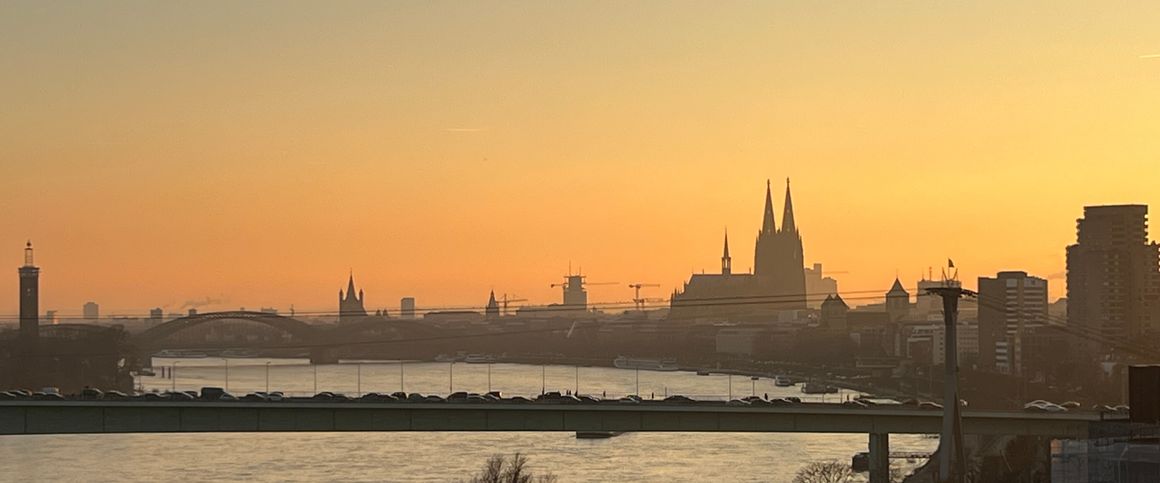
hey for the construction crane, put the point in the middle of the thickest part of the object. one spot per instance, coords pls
(636, 299)
(505, 301)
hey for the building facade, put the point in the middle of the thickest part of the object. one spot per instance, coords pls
(1113, 281)
(1012, 305)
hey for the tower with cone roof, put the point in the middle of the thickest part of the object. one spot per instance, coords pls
(726, 260)
(897, 301)
(349, 306)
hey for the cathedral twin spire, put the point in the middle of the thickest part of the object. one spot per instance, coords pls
(768, 224)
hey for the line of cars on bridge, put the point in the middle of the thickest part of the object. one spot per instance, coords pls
(495, 397)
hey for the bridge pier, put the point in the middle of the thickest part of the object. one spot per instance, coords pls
(879, 457)
(321, 355)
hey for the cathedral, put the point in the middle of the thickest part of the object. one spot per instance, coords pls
(349, 307)
(778, 280)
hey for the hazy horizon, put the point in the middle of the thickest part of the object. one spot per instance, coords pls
(256, 153)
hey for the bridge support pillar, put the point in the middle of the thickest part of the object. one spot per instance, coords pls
(879, 457)
(322, 355)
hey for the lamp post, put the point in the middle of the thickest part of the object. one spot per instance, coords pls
(489, 377)
(402, 386)
(173, 375)
(638, 382)
(227, 373)
(451, 378)
(358, 383)
(543, 380)
(267, 377)
(730, 397)
(576, 387)
(315, 366)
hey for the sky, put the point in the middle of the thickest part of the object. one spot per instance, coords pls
(253, 154)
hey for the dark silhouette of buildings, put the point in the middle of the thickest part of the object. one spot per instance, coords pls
(350, 307)
(66, 356)
(1113, 278)
(29, 298)
(777, 283)
(1012, 305)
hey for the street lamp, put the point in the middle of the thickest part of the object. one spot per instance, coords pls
(358, 384)
(315, 366)
(489, 377)
(402, 386)
(173, 375)
(576, 387)
(268, 377)
(451, 377)
(227, 373)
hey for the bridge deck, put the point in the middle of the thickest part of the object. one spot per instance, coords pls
(63, 417)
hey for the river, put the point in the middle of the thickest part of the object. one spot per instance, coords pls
(434, 457)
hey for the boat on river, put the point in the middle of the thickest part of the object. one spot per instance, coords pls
(664, 365)
(783, 381)
(818, 388)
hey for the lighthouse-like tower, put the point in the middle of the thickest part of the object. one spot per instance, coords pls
(29, 298)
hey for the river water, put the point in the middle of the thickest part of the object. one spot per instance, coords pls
(434, 457)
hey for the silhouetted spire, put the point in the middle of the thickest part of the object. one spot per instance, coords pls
(897, 289)
(767, 223)
(787, 223)
(350, 286)
(726, 260)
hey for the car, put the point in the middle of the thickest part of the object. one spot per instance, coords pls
(589, 399)
(91, 393)
(275, 396)
(434, 399)
(150, 396)
(254, 397)
(227, 397)
(211, 393)
(518, 400)
(400, 395)
(415, 397)
(1054, 408)
(181, 396)
(677, 398)
(781, 401)
(629, 400)
(1070, 404)
(8, 396)
(756, 401)
(737, 402)
(494, 394)
(476, 398)
(114, 396)
(793, 399)
(47, 396)
(854, 403)
(327, 396)
(930, 405)
(457, 396)
(376, 397)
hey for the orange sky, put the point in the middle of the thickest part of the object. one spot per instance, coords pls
(158, 152)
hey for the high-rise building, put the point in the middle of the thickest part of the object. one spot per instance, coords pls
(1012, 305)
(407, 307)
(575, 297)
(1113, 280)
(29, 297)
(91, 311)
(350, 307)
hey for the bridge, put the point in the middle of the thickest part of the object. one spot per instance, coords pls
(66, 417)
(319, 339)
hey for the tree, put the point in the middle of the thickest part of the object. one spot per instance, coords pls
(824, 472)
(499, 469)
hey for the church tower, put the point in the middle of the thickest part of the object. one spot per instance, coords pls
(726, 260)
(791, 259)
(350, 307)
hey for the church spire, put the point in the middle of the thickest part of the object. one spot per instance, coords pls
(767, 223)
(726, 260)
(350, 286)
(787, 223)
